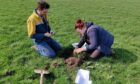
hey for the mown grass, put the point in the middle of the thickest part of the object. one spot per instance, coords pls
(121, 17)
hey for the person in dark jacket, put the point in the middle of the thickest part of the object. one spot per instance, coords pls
(99, 40)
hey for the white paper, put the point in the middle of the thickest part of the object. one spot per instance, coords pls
(75, 45)
(83, 77)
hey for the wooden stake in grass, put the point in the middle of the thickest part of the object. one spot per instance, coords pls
(41, 72)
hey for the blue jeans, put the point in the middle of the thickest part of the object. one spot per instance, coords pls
(48, 47)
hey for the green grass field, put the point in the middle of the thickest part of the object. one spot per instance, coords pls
(121, 17)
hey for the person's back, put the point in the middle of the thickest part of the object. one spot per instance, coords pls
(104, 37)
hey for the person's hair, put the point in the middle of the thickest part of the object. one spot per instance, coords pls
(43, 5)
(79, 24)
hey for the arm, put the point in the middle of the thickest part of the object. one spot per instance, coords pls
(81, 43)
(78, 49)
(93, 39)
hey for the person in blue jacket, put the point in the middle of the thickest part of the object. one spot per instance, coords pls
(39, 30)
(99, 40)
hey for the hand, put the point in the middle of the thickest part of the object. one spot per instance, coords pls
(76, 47)
(78, 50)
(48, 34)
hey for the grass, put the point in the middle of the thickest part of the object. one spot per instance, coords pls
(18, 60)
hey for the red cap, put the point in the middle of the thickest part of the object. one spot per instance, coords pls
(79, 24)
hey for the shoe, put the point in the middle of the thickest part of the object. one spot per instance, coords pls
(34, 47)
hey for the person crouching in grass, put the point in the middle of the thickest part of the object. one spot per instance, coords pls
(39, 30)
(99, 41)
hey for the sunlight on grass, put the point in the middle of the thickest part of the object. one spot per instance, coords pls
(18, 60)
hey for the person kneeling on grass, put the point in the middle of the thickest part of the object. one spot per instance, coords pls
(40, 31)
(99, 41)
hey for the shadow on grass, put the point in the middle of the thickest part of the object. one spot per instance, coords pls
(122, 55)
(49, 78)
(66, 52)
(8, 73)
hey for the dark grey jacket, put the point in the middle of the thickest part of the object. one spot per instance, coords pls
(97, 38)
